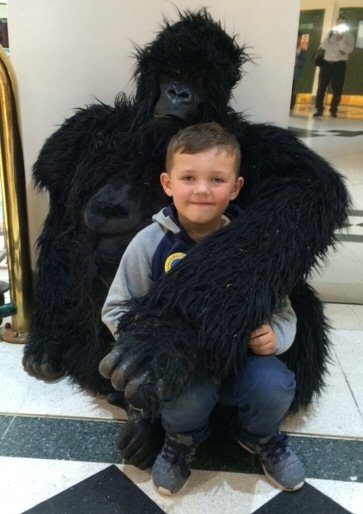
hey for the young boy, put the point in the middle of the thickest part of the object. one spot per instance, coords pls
(202, 177)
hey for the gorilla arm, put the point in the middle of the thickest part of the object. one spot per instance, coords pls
(197, 319)
(61, 153)
(70, 164)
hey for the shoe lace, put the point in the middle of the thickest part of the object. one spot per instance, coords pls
(176, 453)
(276, 449)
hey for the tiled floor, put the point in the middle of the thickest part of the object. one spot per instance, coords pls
(339, 141)
(54, 436)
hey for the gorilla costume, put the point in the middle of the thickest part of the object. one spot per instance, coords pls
(101, 169)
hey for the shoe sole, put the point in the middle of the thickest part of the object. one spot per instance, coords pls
(272, 479)
(166, 492)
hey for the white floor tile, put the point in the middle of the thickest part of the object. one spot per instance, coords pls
(209, 492)
(341, 278)
(23, 394)
(333, 414)
(344, 316)
(357, 196)
(27, 482)
(336, 412)
(348, 347)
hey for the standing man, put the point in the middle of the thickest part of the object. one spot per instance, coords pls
(337, 46)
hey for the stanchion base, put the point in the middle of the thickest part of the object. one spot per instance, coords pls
(9, 335)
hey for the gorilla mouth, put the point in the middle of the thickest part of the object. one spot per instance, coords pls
(168, 117)
(168, 122)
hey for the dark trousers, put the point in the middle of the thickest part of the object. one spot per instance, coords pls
(262, 391)
(334, 73)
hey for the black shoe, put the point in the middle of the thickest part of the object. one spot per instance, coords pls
(333, 114)
(317, 114)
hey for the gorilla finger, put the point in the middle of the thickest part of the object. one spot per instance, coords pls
(50, 371)
(125, 437)
(144, 458)
(117, 398)
(28, 364)
(130, 443)
(31, 365)
(108, 363)
(133, 385)
(153, 441)
(42, 370)
(123, 373)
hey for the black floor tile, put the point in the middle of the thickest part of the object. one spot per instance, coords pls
(5, 422)
(307, 500)
(62, 439)
(107, 492)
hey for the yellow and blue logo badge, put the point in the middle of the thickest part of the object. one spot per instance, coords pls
(172, 260)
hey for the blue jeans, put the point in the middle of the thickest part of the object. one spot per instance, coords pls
(262, 392)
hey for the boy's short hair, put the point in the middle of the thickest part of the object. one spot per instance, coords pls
(203, 136)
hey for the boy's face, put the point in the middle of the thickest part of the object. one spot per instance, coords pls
(201, 186)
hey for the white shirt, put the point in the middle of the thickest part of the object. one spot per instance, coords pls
(338, 50)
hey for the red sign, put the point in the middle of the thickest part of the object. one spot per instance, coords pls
(304, 41)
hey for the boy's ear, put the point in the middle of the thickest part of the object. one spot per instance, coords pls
(165, 182)
(238, 186)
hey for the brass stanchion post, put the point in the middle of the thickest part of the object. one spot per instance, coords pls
(12, 177)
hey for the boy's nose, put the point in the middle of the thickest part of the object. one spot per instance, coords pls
(201, 187)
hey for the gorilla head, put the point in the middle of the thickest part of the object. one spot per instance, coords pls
(189, 70)
(186, 75)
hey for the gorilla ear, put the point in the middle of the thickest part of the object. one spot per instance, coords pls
(165, 182)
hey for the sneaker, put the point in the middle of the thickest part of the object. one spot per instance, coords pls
(278, 461)
(317, 114)
(171, 468)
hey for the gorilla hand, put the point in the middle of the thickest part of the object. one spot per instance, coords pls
(130, 372)
(44, 361)
(141, 439)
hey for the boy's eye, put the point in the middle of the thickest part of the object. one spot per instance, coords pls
(217, 179)
(187, 178)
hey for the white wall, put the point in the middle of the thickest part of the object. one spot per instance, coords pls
(66, 53)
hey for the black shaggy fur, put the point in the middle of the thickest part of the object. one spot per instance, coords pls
(199, 316)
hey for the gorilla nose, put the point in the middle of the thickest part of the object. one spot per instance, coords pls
(179, 94)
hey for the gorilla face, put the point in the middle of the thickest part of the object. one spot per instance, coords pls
(190, 69)
(178, 99)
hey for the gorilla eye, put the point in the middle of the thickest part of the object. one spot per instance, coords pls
(170, 75)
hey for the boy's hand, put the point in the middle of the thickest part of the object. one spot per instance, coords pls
(262, 340)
